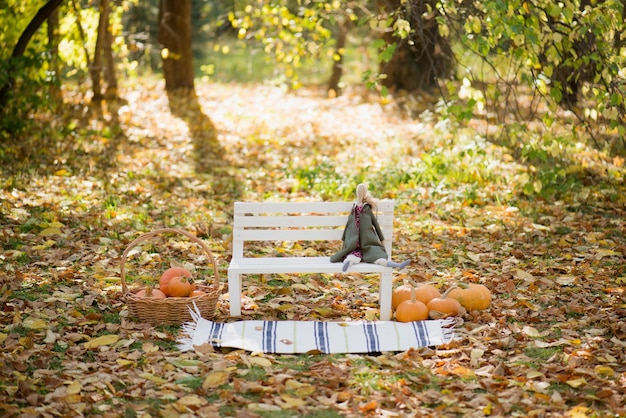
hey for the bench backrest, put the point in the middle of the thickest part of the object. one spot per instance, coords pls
(300, 221)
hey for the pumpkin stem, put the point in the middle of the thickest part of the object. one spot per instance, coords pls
(451, 288)
(413, 298)
(149, 291)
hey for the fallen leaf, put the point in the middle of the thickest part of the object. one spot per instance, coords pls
(604, 371)
(102, 340)
(260, 361)
(34, 323)
(576, 383)
(192, 400)
(49, 231)
(155, 379)
(149, 347)
(74, 388)
(215, 379)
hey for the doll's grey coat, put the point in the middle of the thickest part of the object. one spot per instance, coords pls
(369, 234)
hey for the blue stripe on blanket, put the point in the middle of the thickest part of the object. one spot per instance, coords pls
(215, 336)
(269, 336)
(421, 333)
(371, 336)
(321, 337)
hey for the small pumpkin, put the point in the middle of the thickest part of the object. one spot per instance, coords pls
(424, 292)
(169, 274)
(150, 292)
(412, 309)
(181, 287)
(444, 306)
(472, 296)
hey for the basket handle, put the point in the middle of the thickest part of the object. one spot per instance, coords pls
(149, 235)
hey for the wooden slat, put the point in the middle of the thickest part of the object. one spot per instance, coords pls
(301, 221)
(304, 207)
(287, 235)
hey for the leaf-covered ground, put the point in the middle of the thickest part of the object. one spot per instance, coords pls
(553, 343)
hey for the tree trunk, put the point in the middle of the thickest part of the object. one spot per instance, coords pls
(53, 43)
(22, 43)
(175, 38)
(422, 57)
(337, 71)
(96, 68)
(107, 50)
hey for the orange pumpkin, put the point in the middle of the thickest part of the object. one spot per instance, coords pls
(411, 310)
(181, 287)
(472, 296)
(444, 306)
(169, 274)
(423, 292)
(149, 292)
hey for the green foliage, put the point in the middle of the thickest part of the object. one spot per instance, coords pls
(567, 54)
(292, 35)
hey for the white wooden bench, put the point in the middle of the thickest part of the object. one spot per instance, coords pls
(279, 222)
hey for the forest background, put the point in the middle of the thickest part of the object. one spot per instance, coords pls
(497, 126)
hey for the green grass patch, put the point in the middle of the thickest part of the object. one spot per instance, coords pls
(254, 374)
(168, 345)
(192, 382)
(541, 353)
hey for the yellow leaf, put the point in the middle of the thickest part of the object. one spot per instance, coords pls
(34, 323)
(604, 371)
(370, 315)
(260, 361)
(305, 391)
(606, 253)
(152, 378)
(216, 379)
(49, 231)
(62, 172)
(125, 362)
(325, 312)
(103, 340)
(576, 383)
(285, 307)
(74, 388)
(579, 411)
(192, 400)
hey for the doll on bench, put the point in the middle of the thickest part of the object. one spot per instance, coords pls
(362, 237)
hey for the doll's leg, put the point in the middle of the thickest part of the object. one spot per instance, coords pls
(351, 260)
(393, 264)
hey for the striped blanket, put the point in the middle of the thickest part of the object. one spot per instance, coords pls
(291, 337)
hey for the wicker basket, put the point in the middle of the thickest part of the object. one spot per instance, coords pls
(171, 310)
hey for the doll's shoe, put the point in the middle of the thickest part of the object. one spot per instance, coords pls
(398, 265)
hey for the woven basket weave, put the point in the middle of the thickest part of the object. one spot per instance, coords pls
(171, 310)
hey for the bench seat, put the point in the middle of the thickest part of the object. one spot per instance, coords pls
(263, 265)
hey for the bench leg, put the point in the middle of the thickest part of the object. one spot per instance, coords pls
(234, 292)
(386, 283)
